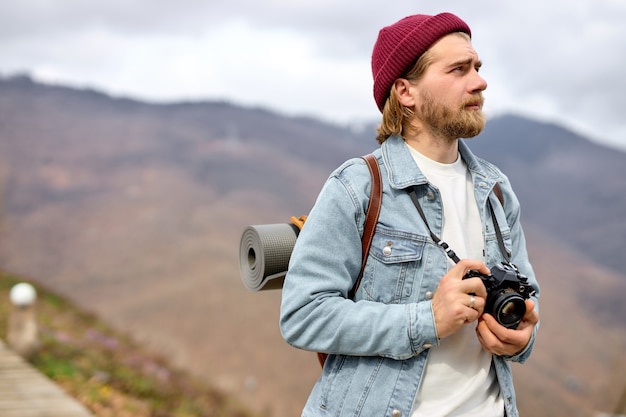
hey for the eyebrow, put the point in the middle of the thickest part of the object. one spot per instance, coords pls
(466, 61)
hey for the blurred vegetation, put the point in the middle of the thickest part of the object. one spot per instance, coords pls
(108, 372)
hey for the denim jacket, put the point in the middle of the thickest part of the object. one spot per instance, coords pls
(379, 341)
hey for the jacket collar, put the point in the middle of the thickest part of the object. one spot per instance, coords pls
(403, 172)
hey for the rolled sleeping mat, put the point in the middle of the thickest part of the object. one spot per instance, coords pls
(264, 253)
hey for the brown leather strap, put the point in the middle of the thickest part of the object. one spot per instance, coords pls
(371, 219)
(371, 216)
(498, 192)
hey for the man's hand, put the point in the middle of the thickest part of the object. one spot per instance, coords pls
(458, 301)
(499, 340)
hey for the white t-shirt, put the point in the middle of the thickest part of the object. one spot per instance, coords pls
(459, 379)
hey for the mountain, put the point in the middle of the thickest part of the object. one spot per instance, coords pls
(134, 211)
(569, 186)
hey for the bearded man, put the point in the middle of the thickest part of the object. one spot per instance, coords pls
(418, 337)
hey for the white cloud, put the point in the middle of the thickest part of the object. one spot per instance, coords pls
(560, 59)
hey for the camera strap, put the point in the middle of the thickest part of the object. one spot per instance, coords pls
(503, 250)
(451, 254)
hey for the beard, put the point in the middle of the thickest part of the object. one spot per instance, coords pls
(450, 123)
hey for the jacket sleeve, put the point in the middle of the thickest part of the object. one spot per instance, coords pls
(315, 311)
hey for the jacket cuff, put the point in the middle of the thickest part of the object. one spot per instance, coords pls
(422, 329)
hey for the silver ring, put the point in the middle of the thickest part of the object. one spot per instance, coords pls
(472, 301)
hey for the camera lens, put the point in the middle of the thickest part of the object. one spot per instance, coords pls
(508, 308)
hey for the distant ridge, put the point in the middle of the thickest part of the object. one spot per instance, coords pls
(569, 186)
(134, 211)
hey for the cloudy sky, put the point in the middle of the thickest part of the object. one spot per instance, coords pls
(556, 60)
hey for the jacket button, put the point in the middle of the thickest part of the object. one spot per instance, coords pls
(387, 249)
(429, 295)
(396, 413)
(427, 345)
(430, 195)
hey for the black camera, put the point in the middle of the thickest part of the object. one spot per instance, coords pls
(507, 290)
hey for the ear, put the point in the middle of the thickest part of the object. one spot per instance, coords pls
(404, 92)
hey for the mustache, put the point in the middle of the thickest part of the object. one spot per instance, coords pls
(477, 100)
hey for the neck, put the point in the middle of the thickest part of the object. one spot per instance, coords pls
(442, 150)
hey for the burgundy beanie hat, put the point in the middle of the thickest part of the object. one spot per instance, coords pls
(399, 45)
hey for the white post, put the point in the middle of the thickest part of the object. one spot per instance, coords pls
(23, 332)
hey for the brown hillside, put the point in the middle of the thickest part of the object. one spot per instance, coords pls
(134, 211)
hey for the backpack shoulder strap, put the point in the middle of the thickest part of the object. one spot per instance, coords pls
(371, 216)
(498, 192)
(371, 219)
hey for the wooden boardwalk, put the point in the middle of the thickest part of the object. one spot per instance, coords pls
(25, 392)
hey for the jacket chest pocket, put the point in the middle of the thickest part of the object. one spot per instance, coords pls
(392, 266)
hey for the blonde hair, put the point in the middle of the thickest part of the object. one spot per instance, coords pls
(397, 119)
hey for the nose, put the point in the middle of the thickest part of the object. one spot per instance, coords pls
(478, 84)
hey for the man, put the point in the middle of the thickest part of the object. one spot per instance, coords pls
(414, 340)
